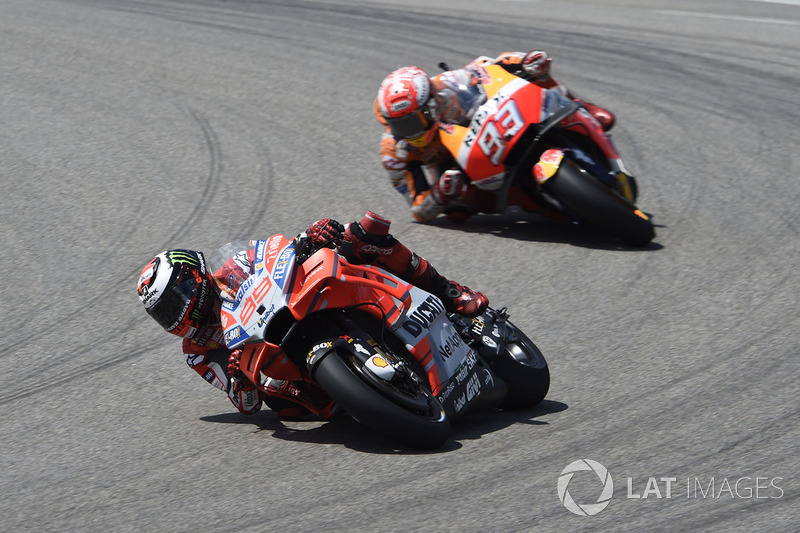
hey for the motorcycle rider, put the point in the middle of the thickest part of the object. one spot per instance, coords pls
(184, 297)
(411, 105)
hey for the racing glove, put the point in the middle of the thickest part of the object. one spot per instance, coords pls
(239, 382)
(325, 233)
(536, 64)
(449, 186)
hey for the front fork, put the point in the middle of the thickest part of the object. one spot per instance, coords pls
(377, 358)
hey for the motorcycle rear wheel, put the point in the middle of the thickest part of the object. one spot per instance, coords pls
(409, 415)
(523, 368)
(586, 197)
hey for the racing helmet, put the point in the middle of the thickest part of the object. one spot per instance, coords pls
(406, 103)
(178, 292)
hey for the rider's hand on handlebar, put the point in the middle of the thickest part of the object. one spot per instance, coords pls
(536, 64)
(239, 381)
(451, 182)
(325, 232)
(449, 185)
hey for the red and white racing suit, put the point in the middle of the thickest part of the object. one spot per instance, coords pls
(411, 169)
(206, 352)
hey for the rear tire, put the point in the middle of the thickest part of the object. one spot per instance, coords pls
(412, 417)
(587, 198)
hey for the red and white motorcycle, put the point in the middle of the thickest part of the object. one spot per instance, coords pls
(384, 350)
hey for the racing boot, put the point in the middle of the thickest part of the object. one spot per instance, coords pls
(457, 298)
(293, 400)
(369, 241)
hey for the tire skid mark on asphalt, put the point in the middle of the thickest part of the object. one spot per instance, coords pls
(34, 383)
(9, 396)
(252, 220)
(213, 148)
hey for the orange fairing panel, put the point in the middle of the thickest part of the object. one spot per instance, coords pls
(480, 148)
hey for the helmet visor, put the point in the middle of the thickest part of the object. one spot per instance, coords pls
(171, 308)
(413, 125)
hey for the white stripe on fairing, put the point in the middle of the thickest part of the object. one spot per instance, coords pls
(463, 152)
(731, 17)
(508, 89)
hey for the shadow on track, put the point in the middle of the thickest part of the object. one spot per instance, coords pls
(523, 226)
(345, 431)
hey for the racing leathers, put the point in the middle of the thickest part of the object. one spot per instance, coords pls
(419, 173)
(206, 352)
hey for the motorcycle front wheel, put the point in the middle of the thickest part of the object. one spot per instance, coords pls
(402, 410)
(523, 368)
(585, 197)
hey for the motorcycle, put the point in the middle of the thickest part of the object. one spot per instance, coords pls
(534, 147)
(385, 351)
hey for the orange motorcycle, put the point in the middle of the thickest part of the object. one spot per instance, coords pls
(524, 145)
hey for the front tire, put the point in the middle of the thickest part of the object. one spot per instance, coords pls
(523, 368)
(586, 197)
(410, 415)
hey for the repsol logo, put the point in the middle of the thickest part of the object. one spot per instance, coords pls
(477, 121)
(423, 316)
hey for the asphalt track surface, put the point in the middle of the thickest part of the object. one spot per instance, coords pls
(131, 126)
